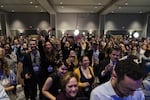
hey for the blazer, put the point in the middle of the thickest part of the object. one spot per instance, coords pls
(101, 67)
(27, 66)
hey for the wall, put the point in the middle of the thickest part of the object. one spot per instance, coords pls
(148, 25)
(129, 22)
(67, 23)
(27, 21)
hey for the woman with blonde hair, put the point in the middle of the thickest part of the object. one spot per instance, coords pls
(69, 87)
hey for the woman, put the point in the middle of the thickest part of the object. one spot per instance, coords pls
(72, 60)
(52, 86)
(48, 57)
(7, 76)
(69, 86)
(86, 76)
(10, 57)
(66, 49)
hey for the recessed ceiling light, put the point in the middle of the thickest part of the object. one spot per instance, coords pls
(12, 10)
(119, 7)
(62, 6)
(31, 2)
(112, 11)
(95, 7)
(2, 6)
(36, 6)
(99, 3)
(61, 3)
(126, 3)
(140, 12)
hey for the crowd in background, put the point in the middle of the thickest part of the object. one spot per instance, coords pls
(40, 63)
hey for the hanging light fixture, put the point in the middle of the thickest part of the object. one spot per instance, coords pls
(76, 31)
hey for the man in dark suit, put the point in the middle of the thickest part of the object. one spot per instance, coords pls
(31, 71)
(108, 64)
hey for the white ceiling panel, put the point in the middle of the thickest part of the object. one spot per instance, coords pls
(11, 2)
(78, 9)
(133, 10)
(24, 8)
(76, 6)
(139, 2)
(80, 2)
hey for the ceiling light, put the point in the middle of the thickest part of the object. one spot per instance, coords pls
(41, 10)
(12, 10)
(76, 32)
(90, 32)
(62, 6)
(2, 6)
(95, 7)
(119, 7)
(31, 2)
(63, 32)
(112, 11)
(140, 12)
(136, 34)
(126, 3)
(99, 3)
(36, 6)
(61, 3)
(83, 33)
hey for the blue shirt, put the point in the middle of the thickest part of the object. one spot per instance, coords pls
(106, 92)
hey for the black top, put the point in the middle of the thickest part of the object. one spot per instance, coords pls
(80, 96)
(86, 90)
(62, 96)
(56, 85)
(89, 53)
(47, 66)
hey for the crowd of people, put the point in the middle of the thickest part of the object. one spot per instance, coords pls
(74, 68)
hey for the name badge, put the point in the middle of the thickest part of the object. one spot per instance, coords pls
(36, 68)
(50, 68)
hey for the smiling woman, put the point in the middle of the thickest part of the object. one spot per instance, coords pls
(70, 87)
(52, 85)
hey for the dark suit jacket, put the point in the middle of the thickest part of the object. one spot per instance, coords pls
(101, 66)
(27, 66)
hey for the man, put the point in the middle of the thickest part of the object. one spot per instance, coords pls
(107, 65)
(124, 84)
(31, 71)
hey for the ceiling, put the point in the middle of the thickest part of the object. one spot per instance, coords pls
(76, 6)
